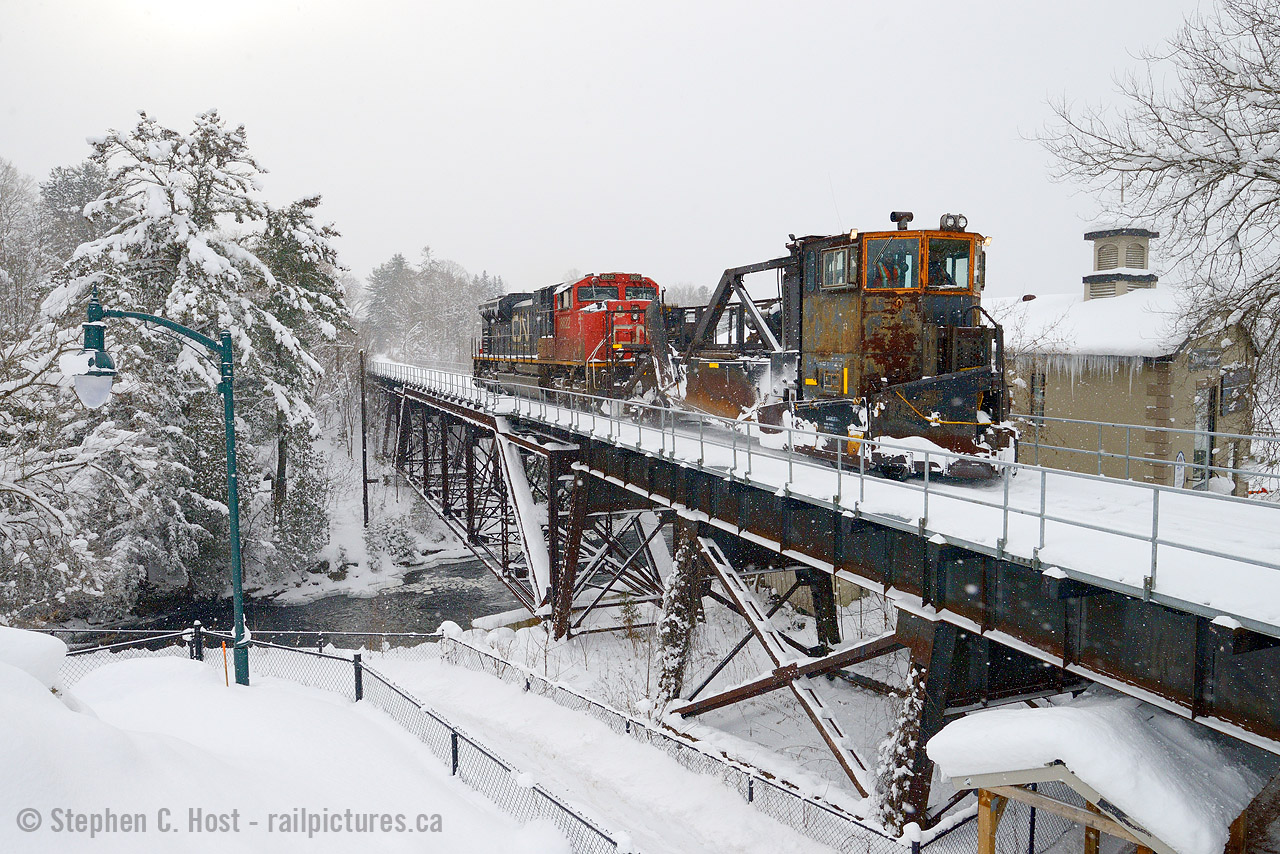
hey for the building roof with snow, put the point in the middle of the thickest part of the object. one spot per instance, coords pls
(1146, 322)
(1169, 778)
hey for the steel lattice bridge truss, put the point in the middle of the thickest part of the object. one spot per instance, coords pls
(574, 512)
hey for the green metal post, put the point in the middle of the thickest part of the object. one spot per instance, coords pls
(94, 340)
(233, 508)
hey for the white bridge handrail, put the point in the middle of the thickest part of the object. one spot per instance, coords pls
(666, 427)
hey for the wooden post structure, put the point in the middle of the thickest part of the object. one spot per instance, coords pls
(1092, 835)
(990, 811)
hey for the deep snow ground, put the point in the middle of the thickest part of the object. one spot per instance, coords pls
(147, 735)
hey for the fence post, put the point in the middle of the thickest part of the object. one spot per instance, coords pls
(453, 749)
(359, 668)
(751, 789)
(1031, 828)
(915, 846)
(197, 641)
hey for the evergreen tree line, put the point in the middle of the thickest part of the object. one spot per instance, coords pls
(424, 313)
(98, 508)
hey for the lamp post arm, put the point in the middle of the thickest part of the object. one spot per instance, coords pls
(209, 343)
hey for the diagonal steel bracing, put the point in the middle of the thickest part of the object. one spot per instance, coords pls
(785, 660)
(783, 676)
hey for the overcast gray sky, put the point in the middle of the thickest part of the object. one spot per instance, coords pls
(674, 139)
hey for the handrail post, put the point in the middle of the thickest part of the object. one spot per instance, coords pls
(924, 520)
(1127, 431)
(1149, 583)
(1099, 449)
(733, 444)
(1043, 476)
(1004, 530)
(862, 472)
(839, 449)
(702, 451)
(791, 443)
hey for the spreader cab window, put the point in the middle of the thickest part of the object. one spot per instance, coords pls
(641, 292)
(949, 264)
(836, 268)
(893, 262)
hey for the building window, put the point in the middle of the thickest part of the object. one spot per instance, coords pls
(1037, 392)
(1108, 256)
(1135, 256)
(1205, 405)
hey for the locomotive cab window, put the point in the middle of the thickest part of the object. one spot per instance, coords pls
(949, 264)
(642, 292)
(837, 268)
(596, 293)
(893, 262)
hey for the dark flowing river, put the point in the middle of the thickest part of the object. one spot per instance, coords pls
(427, 597)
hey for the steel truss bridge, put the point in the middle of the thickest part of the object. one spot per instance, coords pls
(1036, 583)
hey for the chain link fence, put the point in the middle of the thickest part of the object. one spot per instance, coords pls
(468, 759)
(1022, 830)
(822, 822)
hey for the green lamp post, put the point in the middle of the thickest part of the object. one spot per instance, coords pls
(93, 378)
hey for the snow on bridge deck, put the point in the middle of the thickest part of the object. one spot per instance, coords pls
(1207, 554)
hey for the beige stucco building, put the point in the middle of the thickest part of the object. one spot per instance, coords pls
(1121, 353)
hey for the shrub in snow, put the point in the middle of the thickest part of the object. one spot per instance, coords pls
(391, 537)
(893, 769)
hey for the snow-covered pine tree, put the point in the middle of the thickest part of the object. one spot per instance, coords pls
(190, 239)
(680, 602)
(388, 305)
(897, 751)
(425, 313)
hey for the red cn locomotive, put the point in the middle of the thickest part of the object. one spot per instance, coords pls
(583, 335)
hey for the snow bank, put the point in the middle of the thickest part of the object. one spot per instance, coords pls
(1180, 781)
(38, 654)
(167, 735)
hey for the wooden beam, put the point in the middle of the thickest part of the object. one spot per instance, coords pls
(1093, 820)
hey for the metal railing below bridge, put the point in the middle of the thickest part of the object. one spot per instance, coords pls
(685, 437)
(1021, 832)
(469, 759)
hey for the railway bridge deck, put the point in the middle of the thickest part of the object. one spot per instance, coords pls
(1035, 582)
